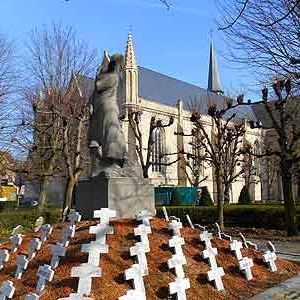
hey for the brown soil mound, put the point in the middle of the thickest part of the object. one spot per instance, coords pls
(112, 284)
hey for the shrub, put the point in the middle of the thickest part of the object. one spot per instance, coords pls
(258, 216)
(176, 198)
(205, 198)
(244, 197)
(8, 205)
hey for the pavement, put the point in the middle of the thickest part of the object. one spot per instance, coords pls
(289, 289)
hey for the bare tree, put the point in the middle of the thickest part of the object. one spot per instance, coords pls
(54, 55)
(263, 35)
(134, 120)
(223, 147)
(284, 116)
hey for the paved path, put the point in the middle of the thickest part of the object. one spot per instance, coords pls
(287, 290)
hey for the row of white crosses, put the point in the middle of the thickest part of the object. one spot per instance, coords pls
(215, 273)
(138, 270)
(245, 263)
(45, 272)
(181, 283)
(87, 271)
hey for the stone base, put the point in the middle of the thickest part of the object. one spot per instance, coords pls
(126, 195)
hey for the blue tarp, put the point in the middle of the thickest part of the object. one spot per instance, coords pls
(163, 195)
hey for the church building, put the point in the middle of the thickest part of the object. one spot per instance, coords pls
(162, 96)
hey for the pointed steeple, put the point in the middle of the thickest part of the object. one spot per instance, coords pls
(131, 73)
(214, 83)
(130, 61)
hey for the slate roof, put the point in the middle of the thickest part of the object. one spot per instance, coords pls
(167, 90)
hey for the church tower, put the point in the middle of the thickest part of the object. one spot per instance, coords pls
(131, 73)
(214, 83)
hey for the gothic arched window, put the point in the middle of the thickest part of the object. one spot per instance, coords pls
(257, 160)
(158, 136)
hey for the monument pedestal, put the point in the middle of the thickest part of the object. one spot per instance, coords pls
(126, 195)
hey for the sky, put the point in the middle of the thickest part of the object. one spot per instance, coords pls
(174, 42)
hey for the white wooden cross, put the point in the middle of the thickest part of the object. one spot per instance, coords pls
(4, 257)
(144, 216)
(67, 232)
(74, 218)
(105, 214)
(133, 295)
(245, 265)
(34, 245)
(218, 230)
(44, 273)
(57, 251)
(190, 221)
(46, 230)
(178, 287)
(32, 296)
(94, 249)
(269, 258)
(101, 230)
(136, 273)
(271, 246)
(236, 246)
(85, 272)
(143, 232)
(38, 223)
(17, 230)
(16, 241)
(175, 226)
(216, 276)
(247, 244)
(139, 250)
(226, 237)
(200, 227)
(75, 296)
(176, 261)
(165, 213)
(206, 237)
(176, 242)
(7, 290)
(22, 264)
(211, 254)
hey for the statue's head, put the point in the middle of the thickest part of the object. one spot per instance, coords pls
(114, 63)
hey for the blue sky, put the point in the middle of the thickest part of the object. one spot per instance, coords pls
(174, 42)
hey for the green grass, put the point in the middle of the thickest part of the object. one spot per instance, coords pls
(25, 217)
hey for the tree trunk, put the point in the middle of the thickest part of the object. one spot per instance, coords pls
(226, 194)
(220, 198)
(43, 192)
(69, 192)
(290, 206)
(145, 173)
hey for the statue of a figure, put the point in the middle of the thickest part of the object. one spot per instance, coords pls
(105, 137)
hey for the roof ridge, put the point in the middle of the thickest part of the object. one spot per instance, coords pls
(191, 84)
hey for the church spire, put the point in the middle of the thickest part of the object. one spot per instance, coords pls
(214, 83)
(130, 61)
(131, 73)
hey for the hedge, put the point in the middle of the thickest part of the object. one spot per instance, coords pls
(8, 205)
(26, 218)
(262, 216)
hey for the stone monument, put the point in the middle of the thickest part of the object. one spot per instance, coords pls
(115, 181)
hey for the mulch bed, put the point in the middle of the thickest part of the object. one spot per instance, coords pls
(112, 284)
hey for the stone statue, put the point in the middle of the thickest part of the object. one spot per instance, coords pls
(105, 136)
